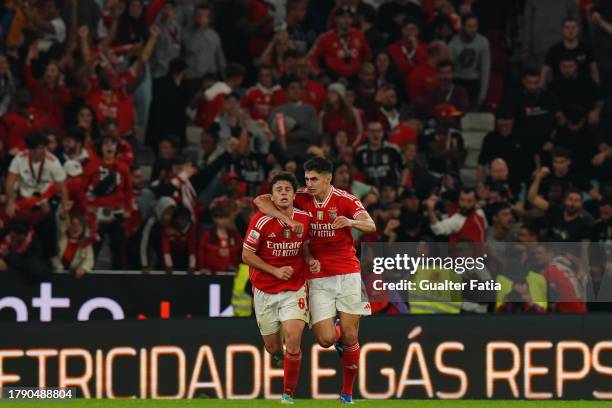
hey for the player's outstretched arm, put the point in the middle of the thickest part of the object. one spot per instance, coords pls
(265, 205)
(250, 258)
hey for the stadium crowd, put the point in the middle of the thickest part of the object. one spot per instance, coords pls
(88, 88)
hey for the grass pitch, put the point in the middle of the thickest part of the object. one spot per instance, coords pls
(212, 403)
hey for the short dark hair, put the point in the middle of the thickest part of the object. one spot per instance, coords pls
(411, 21)
(605, 201)
(177, 66)
(108, 121)
(288, 80)
(373, 121)
(293, 54)
(504, 114)
(234, 95)
(560, 151)
(367, 12)
(75, 133)
(569, 19)
(284, 176)
(435, 48)
(500, 188)
(220, 211)
(202, 7)
(173, 140)
(573, 190)
(498, 207)
(181, 218)
(35, 139)
(320, 165)
(466, 17)
(445, 63)
(234, 70)
(467, 190)
(292, 4)
(530, 72)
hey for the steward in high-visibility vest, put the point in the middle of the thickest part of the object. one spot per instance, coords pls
(538, 289)
(242, 302)
(423, 301)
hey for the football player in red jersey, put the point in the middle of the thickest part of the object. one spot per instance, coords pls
(279, 260)
(336, 289)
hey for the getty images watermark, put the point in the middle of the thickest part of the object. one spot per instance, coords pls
(500, 273)
(409, 265)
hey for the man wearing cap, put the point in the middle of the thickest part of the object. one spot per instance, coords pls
(342, 50)
(444, 142)
(503, 143)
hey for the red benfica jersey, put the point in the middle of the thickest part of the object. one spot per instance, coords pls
(121, 197)
(333, 248)
(260, 101)
(115, 103)
(406, 59)
(314, 94)
(343, 56)
(52, 100)
(275, 243)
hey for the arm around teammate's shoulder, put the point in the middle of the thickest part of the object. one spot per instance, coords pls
(265, 205)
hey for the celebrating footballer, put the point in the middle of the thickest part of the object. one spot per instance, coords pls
(334, 289)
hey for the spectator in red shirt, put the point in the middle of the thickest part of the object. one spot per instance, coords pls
(49, 94)
(220, 246)
(313, 92)
(179, 242)
(342, 50)
(424, 76)
(258, 16)
(408, 51)
(109, 193)
(266, 95)
(338, 115)
(18, 123)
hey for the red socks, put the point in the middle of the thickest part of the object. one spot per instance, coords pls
(350, 367)
(291, 367)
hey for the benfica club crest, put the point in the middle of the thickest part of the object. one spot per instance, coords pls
(333, 213)
(287, 233)
(320, 215)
